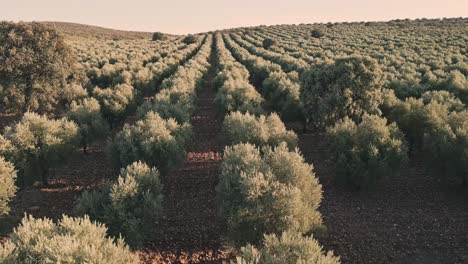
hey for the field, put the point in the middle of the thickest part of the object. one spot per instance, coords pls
(355, 134)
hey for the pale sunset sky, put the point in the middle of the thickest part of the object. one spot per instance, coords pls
(183, 16)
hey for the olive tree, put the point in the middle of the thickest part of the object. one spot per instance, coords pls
(189, 39)
(159, 36)
(289, 247)
(261, 130)
(268, 42)
(316, 33)
(365, 152)
(36, 65)
(87, 114)
(238, 95)
(268, 191)
(7, 187)
(115, 101)
(35, 144)
(71, 240)
(154, 140)
(130, 206)
(445, 147)
(351, 86)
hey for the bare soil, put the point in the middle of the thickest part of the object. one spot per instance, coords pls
(410, 218)
(83, 172)
(191, 230)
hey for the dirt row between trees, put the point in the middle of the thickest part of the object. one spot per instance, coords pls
(191, 230)
(410, 218)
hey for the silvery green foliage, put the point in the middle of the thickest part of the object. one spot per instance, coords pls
(282, 92)
(7, 185)
(287, 62)
(71, 240)
(115, 101)
(260, 131)
(73, 92)
(446, 145)
(268, 191)
(445, 98)
(169, 105)
(437, 125)
(287, 248)
(412, 118)
(350, 87)
(238, 95)
(154, 140)
(176, 99)
(235, 92)
(36, 64)
(35, 144)
(280, 89)
(132, 206)
(415, 117)
(365, 152)
(139, 62)
(87, 114)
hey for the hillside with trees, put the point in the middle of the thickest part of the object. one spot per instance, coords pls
(308, 143)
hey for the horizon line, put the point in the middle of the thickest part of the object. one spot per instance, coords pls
(242, 26)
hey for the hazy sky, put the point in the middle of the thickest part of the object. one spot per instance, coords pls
(183, 16)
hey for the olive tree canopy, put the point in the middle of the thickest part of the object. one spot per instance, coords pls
(35, 65)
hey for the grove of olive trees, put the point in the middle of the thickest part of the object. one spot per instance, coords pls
(234, 145)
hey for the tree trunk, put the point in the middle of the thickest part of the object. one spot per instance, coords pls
(45, 178)
(28, 93)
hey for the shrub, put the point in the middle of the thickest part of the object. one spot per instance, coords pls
(445, 148)
(131, 206)
(38, 69)
(71, 240)
(159, 36)
(352, 87)
(35, 144)
(73, 92)
(287, 248)
(260, 131)
(87, 114)
(445, 98)
(154, 140)
(283, 95)
(389, 101)
(416, 117)
(268, 42)
(457, 82)
(238, 95)
(317, 33)
(190, 39)
(365, 152)
(115, 101)
(7, 186)
(411, 117)
(267, 192)
(170, 104)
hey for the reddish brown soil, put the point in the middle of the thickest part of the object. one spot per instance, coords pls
(191, 230)
(411, 218)
(81, 173)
